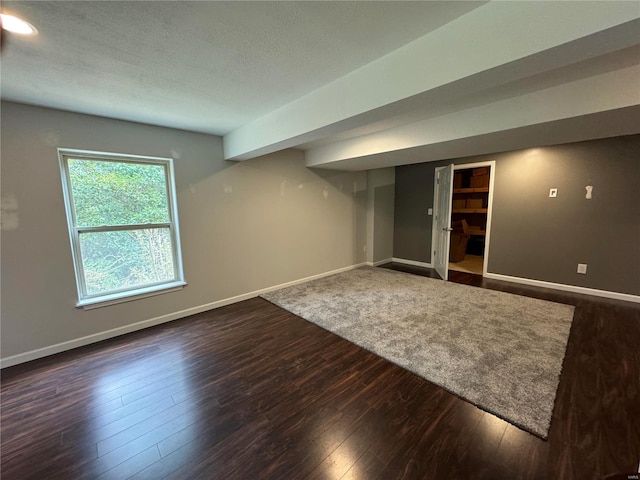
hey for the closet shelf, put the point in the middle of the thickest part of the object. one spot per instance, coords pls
(470, 210)
(471, 190)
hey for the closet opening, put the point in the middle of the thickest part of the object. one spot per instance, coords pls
(469, 215)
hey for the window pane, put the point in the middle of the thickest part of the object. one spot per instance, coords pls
(126, 259)
(118, 193)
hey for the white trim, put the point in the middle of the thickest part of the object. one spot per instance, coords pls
(113, 299)
(97, 337)
(380, 262)
(492, 175)
(567, 288)
(128, 293)
(412, 262)
(120, 157)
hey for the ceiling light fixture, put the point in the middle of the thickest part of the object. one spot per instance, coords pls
(13, 24)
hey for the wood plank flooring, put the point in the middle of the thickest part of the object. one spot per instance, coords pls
(251, 391)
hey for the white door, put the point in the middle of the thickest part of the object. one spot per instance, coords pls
(442, 223)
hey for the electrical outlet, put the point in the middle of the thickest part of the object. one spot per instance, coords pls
(430, 211)
(553, 193)
(582, 268)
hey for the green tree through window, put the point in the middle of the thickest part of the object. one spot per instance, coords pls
(122, 223)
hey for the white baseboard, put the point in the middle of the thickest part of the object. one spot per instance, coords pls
(97, 337)
(566, 288)
(379, 262)
(412, 262)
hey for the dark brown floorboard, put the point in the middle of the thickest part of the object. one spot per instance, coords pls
(252, 391)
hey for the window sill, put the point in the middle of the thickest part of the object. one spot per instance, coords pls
(121, 297)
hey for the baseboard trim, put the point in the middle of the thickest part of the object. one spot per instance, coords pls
(380, 262)
(116, 332)
(412, 262)
(564, 287)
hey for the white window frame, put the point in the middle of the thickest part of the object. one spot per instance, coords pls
(86, 300)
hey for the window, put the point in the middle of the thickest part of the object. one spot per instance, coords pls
(123, 225)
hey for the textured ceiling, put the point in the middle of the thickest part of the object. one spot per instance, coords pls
(357, 85)
(202, 66)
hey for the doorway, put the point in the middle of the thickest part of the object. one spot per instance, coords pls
(467, 223)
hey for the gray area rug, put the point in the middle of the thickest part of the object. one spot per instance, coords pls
(500, 351)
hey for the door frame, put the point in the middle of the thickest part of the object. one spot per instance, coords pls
(492, 176)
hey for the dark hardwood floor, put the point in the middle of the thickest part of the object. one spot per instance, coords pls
(251, 391)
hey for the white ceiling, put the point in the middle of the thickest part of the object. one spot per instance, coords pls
(204, 66)
(356, 85)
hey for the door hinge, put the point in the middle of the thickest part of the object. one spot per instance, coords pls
(434, 253)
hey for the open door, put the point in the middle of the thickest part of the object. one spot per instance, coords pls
(442, 222)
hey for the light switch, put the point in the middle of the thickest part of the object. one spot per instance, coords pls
(430, 211)
(553, 193)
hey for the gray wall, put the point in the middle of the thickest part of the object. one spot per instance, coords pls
(380, 210)
(534, 236)
(244, 226)
(412, 225)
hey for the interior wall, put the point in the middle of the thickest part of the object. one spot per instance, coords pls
(244, 226)
(541, 238)
(380, 211)
(412, 222)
